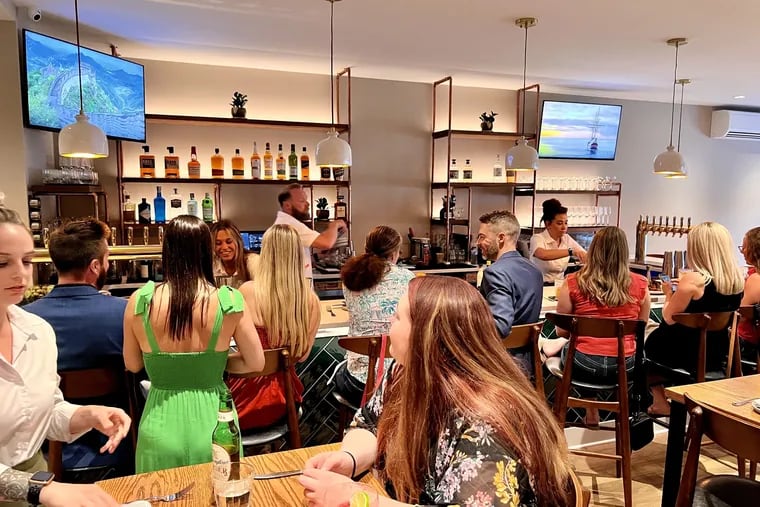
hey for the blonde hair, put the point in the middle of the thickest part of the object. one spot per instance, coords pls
(282, 293)
(605, 278)
(710, 252)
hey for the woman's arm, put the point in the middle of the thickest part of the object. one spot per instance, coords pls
(551, 254)
(751, 290)
(316, 317)
(14, 486)
(251, 356)
(646, 304)
(133, 358)
(691, 286)
(564, 305)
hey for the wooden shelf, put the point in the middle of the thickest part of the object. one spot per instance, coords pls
(66, 189)
(479, 134)
(453, 221)
(171, 119)
(484, 184)
(228, 181)
(580, 228)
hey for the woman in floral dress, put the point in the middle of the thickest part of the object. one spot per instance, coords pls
(454, 422)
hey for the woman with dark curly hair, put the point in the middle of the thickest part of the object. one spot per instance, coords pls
(747, 331)
(551, 250)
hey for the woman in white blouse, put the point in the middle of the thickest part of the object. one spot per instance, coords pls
(31, 405)
(551, 250)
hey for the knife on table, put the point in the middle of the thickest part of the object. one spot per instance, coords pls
(277, 475)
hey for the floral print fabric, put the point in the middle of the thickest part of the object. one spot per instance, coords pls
(468, 467)
(370, 312)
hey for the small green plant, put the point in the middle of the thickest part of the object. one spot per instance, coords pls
(322, 203)
(488, 117)
(238, 99)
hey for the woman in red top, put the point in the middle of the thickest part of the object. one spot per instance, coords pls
(748, 332)
(604, 287)
(286, 313)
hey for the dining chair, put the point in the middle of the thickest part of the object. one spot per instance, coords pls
(734, 436)
(581, 497)
(595, 328)
(522, 336)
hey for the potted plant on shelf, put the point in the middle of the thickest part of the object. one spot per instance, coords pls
(238, 105)
(322, 212)
(486, 121)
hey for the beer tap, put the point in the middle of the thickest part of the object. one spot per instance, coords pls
(146, 235)
(680, 228)
(130, 235)
(113, 236)
(160, 234)
(667, 228)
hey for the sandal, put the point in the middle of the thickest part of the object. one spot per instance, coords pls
(652, 413)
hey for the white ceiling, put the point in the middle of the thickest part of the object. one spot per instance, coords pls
(607, 48)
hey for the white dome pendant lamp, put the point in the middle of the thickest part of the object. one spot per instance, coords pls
(523, 157)
(684, 173)
(81, 139)
(332, 151)
(670, 162)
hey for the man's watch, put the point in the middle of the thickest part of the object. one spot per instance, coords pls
(38, 481)
(569, 252)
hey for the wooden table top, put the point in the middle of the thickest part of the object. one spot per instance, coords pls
(719, 394)
(327, 319)
(269, 493)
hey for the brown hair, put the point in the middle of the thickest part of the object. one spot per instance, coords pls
(241, 268)
(552, 208)
(11, 217)
(752, 252)
(76, 243)
(283, 196)
(605, 278)
(367, 270)
(458, 365)
(502, 221)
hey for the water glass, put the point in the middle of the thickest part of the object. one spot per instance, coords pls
(234, 493)
(558, 283)
(340, 494)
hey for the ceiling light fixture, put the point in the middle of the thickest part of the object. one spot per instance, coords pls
(332, 151)
(738, 97)
(670, 162)
(683, 173)
(523, 157)
(81, 139)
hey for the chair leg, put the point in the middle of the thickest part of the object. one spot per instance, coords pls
(618, 450)
(752, 470)
(625, 448)
(342, 417)
(741, 466)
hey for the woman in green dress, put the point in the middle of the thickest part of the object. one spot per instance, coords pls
(180, 331)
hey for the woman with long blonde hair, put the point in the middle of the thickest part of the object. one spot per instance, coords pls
(715, 284)
(286, 313)
(455, 420)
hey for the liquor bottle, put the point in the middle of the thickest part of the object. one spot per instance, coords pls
(324, 173)
(128, 210)
(238, 165)
(225, 441)
(207, 204)
(255, 163)
(147, 163)
(304, 165)
(143, 210)
(267, 163)
(193, 167)
(175, 206)
(341, 209)
(280, 163)
(159, 207)
(145, 266)
(453, 171)
(171, 164)
(467, 170)
(217, 164)
(498, 170)
(293, 163)
(511, 176)
(192, 206)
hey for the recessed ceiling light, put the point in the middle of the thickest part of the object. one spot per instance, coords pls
(740, 97)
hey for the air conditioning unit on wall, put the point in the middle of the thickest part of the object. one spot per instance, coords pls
(728, 124)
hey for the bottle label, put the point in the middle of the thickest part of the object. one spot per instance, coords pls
(237, 172)
(304, 163)
(192, 208)
(225, 416)
(256, 169)
(222, 462)
(145, 214)
(208, 214)
(194, 171)
(171, 163)
(324, 173)
(497, 172)
(176, 203)
(217, 173)
(280, 168)
(468, 174)
(147, 163)
(453, 174)
(338, 173)
(293, 172)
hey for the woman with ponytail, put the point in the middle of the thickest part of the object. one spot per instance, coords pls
(372, 286)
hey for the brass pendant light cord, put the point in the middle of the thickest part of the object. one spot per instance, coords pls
(680, 117)
(525, 70)
(79, 58)
(673, 101)
(332, 41)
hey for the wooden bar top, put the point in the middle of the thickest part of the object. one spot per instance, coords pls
(720, 394)
(269, 493)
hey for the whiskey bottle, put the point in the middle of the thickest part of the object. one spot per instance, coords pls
(267, 163)
(280, 163)
(193, 167)
(238, 165)
(293, 163)
(255, 163)
(217, 164)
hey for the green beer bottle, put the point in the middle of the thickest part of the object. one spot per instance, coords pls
(225, 441)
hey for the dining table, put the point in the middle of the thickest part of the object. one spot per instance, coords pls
(718, 394)
(264, 493)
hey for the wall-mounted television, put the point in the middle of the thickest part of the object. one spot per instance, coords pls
(114, 89)
(577, 130)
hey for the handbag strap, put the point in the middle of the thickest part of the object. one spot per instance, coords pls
(379, 368)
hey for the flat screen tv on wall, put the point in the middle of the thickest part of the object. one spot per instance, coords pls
(114, 89)
(577, 130)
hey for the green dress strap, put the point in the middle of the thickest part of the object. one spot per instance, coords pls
(230, 301)
(142, 307)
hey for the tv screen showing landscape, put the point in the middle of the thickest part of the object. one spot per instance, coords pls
(114, 89)
(579, 130)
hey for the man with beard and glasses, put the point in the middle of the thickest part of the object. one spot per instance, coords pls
(512, 285)
(294, 210)
(88, 326)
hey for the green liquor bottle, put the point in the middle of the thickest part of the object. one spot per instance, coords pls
(208, 209)
(293, 163)
(225, 441)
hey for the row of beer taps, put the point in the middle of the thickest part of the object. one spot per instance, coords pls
(131, 235)
(645, 226)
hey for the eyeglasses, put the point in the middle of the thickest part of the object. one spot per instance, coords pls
(741, 248)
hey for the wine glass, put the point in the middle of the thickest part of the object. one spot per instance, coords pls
(352, 494)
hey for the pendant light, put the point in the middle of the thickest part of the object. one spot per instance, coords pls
(332, 151)
(523, 157)
(683, 173)
(81, 139)
(670, 162)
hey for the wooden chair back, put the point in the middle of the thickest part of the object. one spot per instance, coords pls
(87, 384)
(581, 497)
(527, 335)
(723, 429)
(279, 361)
(707, 322)
(369, 346)
(748, 313)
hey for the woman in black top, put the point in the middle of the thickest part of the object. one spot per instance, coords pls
(714, 285)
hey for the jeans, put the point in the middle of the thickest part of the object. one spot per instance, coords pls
(596, 369)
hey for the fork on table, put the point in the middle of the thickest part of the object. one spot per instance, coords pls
(170, 498)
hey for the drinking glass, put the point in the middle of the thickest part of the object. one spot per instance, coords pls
(234, 493)
(558, 283)
(352, 493)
